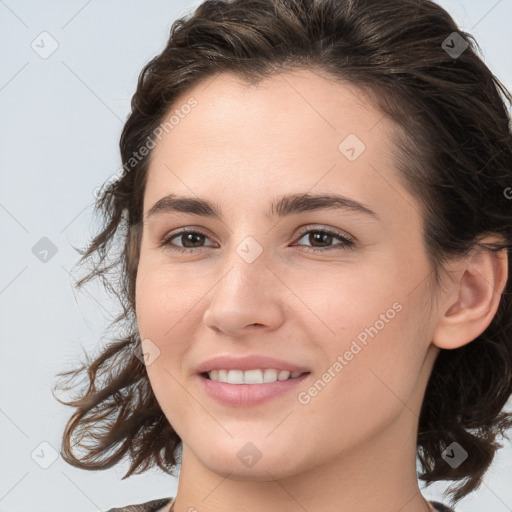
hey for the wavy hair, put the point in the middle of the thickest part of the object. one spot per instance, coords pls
(453, 150)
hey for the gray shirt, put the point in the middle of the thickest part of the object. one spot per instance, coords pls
(162, 504)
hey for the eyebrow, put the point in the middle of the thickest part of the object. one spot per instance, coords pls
(281, 206)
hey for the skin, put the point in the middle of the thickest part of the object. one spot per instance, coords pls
(353, 446)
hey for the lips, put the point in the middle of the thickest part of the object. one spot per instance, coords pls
(249, 362)
(250, 395)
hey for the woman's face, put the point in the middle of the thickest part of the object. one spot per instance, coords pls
(263, 281)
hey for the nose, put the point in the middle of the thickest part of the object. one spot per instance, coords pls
(248, 296)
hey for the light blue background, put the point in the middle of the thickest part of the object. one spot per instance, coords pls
(60, 123)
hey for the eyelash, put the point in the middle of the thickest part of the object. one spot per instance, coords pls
(347, 242)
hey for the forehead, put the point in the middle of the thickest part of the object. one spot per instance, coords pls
(301, 105)
(292, 132)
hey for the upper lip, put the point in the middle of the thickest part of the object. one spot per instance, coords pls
(248, 362)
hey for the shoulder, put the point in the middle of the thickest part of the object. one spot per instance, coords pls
(148, 506)
(440, 507)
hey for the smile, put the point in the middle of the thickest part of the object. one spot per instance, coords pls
(241, 394)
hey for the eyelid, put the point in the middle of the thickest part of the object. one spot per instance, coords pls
(321, 227)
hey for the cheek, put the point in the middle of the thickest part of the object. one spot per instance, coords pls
(372, 382)
(162, 317)
(345, 299)
(374, 337)
(164, 301)
(163, 314)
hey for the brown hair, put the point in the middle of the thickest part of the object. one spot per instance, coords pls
(454, 152)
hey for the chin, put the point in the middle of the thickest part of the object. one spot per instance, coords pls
(245, 461)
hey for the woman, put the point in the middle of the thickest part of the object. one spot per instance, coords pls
(315, 218)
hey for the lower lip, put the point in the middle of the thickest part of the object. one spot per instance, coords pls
(246, 395)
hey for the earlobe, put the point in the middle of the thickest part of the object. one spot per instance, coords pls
(478, 286)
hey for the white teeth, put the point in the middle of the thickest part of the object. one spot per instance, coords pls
(235, 377)
(269, 376)
(251, 376)
(283, 375)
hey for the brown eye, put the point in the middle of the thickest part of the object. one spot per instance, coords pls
(190, 239)
(325, 236)
(318, 238)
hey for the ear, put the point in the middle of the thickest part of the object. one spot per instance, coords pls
(470, 301)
